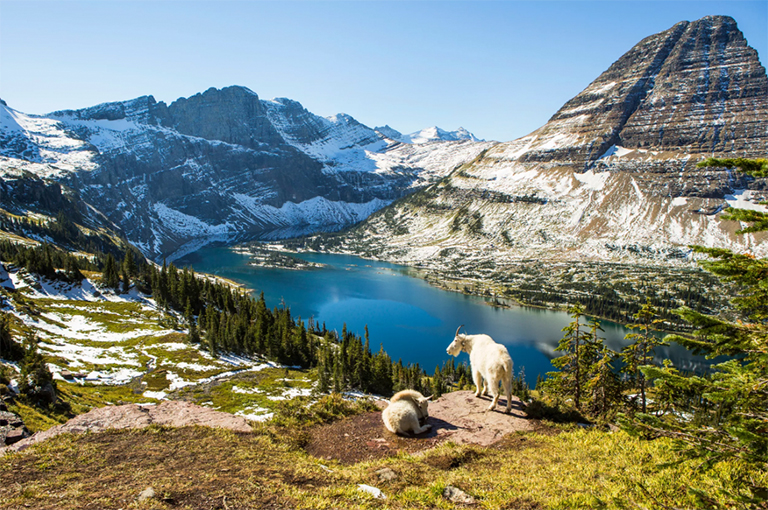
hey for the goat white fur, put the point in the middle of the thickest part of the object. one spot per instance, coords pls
(490, 362)
(421, 402)
(404, 412)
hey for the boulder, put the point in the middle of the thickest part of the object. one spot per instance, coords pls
(171, 413)
(457, 495)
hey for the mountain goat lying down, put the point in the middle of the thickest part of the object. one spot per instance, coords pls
(490, 362)
(406, 412)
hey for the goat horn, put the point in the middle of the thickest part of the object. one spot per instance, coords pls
(429, 397)
(457, 330)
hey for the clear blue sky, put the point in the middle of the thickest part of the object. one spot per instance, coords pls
(499, 69)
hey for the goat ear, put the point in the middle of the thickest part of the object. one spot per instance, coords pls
(428, 398)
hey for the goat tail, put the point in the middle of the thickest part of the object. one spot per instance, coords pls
(509, 371)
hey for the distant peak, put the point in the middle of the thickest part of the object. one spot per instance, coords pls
(388, 132)
(437, 134)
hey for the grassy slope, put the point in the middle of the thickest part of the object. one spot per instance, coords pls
(129, 333)
(198, 468)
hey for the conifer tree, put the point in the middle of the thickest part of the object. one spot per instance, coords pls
(10, 350)
(640, 352)
(36, 380)
(438, 383)
(569, 380)
(338, 375)
(110, 274)
(129, 264)
(729, 417)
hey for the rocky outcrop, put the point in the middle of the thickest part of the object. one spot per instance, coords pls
(696, 88)
(12, 428)
(133, 416)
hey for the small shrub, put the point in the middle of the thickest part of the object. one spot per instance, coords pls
(300, 412)
(6, 373)
(540, 410)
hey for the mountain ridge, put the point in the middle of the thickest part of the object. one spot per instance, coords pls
(612, 175)
(220, 164)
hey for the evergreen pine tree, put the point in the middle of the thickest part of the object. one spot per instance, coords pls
(569, 381)
(438, 383)
(640, 352)
(36, 380)
(10, 350)
(110, 274)
(730, 417)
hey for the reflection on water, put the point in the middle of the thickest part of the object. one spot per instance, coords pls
(411, 319)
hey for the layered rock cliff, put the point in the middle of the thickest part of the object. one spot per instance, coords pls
(612, 175)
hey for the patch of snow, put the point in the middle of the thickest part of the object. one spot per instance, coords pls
(158, 395)
(616, 151)
(246, 391)
(115, 377)
(195, 366)
(601, 88)
(292, 393)
(255, 413)
(170, 346)
(186, 225)
(592, 180)
(434, 134)
(743, 199)
(679, 201)
(373, 491)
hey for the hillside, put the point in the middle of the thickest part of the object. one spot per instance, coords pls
(198, 467)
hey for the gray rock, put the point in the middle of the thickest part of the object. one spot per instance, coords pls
(386, 475)
(457, 495)
(15, 435)
(148, 493)
(170, 413)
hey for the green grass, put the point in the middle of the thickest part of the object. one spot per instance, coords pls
(195, 467)
(75, 399)
(255, 389)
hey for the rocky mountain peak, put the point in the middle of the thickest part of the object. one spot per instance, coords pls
(139, 110)
(233, 115)
(697, 87)
(388, 132)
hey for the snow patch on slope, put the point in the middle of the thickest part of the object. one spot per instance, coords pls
(744, 199)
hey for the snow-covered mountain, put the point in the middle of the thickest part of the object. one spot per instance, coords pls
(612, 176)
(430, 134)
(221, 164)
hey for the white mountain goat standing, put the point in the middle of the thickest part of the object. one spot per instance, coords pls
(406, 409)
(490, 362)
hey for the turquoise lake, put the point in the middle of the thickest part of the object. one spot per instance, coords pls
(414, 321)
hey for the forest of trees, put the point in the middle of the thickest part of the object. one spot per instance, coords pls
(224, 319)
(64, 231)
